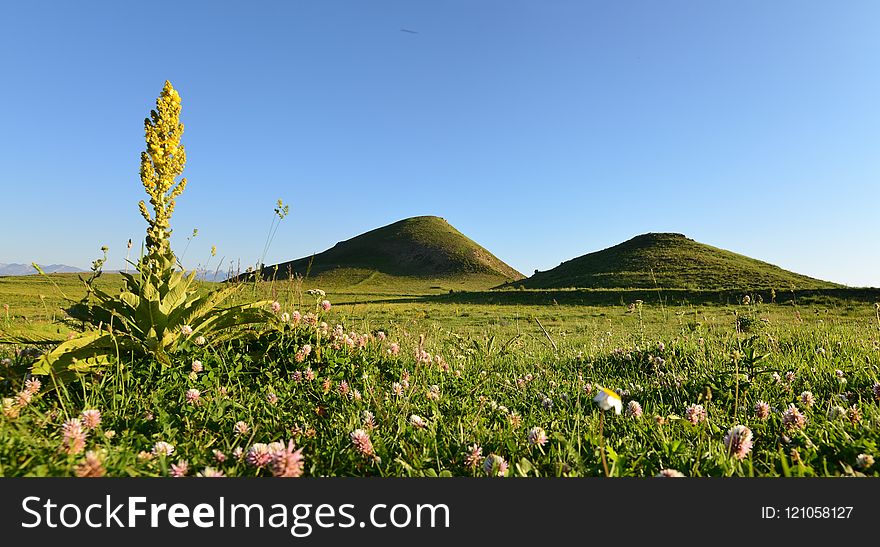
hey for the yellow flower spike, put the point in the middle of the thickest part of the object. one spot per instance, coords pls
(161, 165)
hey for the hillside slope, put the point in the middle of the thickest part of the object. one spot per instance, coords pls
(425, 247)
(668, 260)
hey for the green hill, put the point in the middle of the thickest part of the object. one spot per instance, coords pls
(416, 250)
(670, 261)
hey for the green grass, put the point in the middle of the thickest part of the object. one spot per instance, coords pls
(669, 261)
(504, 377)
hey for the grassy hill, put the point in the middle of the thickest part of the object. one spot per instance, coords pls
(671, 261)
(424, 250)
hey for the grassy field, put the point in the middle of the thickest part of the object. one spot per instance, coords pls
(420, 381)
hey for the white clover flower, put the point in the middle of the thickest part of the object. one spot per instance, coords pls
(162, 448)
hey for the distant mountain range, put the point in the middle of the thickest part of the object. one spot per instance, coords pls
(27, 269)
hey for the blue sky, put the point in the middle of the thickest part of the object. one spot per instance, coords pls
(542, 130)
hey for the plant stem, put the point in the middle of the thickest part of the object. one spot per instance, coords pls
(602, 444)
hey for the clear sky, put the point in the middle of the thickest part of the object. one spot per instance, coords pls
(543, 130)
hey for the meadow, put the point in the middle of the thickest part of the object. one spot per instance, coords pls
(363, 371)
(426, 383)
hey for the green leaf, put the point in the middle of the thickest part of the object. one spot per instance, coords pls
(82, 352)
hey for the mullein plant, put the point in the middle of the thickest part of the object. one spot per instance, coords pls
(159, 309)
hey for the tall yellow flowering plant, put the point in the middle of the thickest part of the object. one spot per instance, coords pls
(159, 307)
(161, 164)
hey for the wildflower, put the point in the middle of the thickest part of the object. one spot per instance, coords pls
(271, 398)
(669, 473)
(287, 462)
(494, 465)
(180, 469)
(193, 396)
(327, 384)
(368, 419)
(73, 438)
(537, 436)
(738, 441)
(792, 418)
(547, 403)
(309, 374)
(789, 376)
(91, 466)
(200, 340)
(144, 456)
(515, 420)
(197, 366)
(807, 399)
(695, 414)
(417, 421)
(307, 349)
(588, 388)
(237, 453)
(23, 398)
(109, 434)
(162, 448)
(91, 418)
(297, 376)
(473, 457)
(296, 316)
(240, 428)
(361, 441)
(608, 399)
(285, 317)
(397, 389)
(746, 300)
(259, 455)
(836, 412)
(776, 377)
(854, 414)
(380, 336)
(864, 461)
(186, 330)
(32, 385)
(343, 388)
(276, 307)
(356, 395)
(325, 305)
(394, 349)
(433, 393)
(210, 472)
(219, 456)
(634, 409)
(762, 410)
